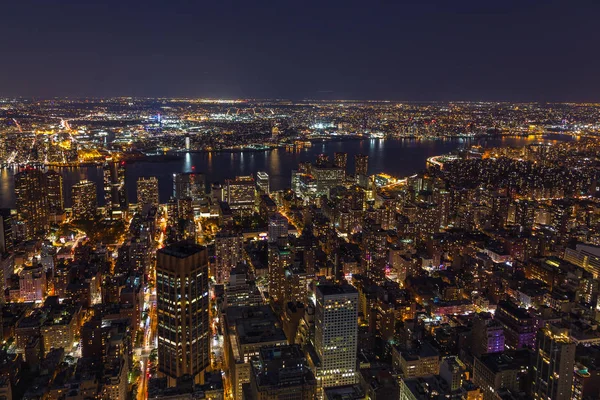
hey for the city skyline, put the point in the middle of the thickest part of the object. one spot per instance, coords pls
(318, 200)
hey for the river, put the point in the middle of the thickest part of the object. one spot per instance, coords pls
(397, 157)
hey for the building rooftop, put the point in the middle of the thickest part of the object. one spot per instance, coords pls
(281, 366)
(182, 249)
(499, 362)
(328, 289)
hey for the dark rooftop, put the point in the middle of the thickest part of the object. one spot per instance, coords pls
(182, 249)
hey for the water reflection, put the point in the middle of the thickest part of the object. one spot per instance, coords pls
(397, 157)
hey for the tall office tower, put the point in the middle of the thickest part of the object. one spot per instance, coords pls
(336, 331)
(554, 361)
(115, 194)
(147, 192)
(229, 247)
(56, 203)
(340, 160)
(84, 199)
(31, 192)
(278, 229)
(6, 233)
(182, 308)
(279, 257)
(241, 194)
(262, 182)
(189, 184)
(361, 164)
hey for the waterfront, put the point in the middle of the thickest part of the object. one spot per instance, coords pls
(394, 156)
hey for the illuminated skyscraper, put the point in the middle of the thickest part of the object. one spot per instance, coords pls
(361, 170)
(55, 192)
(554, 361)
(279, 257)
(327, 178)
(241, 194)
(262, 182)
(85, 201)
(190, 185)
(229, 249)
(361, 164)
(278, 228)
(182, 307)
(147, 192)
(115, 194)
(31, 192)
(336, 333)
(340, 160)
(6, 232)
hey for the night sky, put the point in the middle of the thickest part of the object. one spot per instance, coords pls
(514, 50)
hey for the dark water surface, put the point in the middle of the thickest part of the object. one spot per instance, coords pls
(394, 156)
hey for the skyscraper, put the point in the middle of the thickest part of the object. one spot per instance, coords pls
(147, 192)
(115, 194)
(241, 193)
(554, 361)
(278, 228)
(182, 309)
(55, 192)
(6, 233)
(340, 160)
(31, 192)
(229, 249)
(262, 182)
(361, 164)
(190, 185)
(336, 331)
(279, 257)
(84, 200)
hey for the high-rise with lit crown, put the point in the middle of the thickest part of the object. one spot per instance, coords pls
(182, 308)
(31, 194)
(262, 182)
(336, 333)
